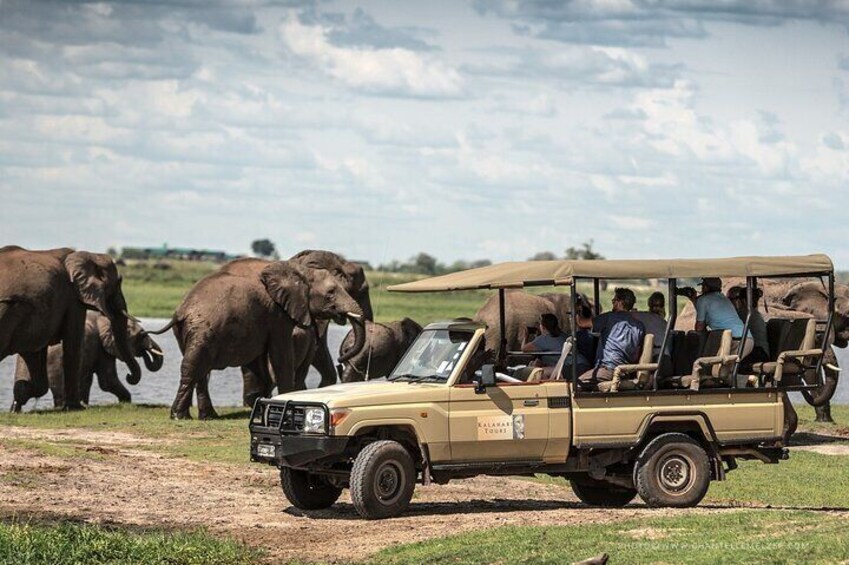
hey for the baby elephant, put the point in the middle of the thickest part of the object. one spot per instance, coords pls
(385, 345)
(98, 357)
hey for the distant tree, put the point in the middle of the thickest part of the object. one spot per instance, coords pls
(544, 256)
(263, 248)
(480, 263)
(458, 265)
(425, 264)
(586, 251)
(112, 252)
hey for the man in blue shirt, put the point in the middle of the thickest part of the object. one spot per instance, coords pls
(621, 339)
(716, 312)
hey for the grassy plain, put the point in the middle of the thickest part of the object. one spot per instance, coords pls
(787, 525)
(25, 543)
(155, 289)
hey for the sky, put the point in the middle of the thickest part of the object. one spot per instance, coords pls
(467, 130)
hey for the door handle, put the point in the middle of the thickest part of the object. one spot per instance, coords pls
(531, 403)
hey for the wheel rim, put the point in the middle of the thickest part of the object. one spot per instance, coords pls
(389, 482)
(675, 474)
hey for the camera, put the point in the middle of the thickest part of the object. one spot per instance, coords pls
(686, 291)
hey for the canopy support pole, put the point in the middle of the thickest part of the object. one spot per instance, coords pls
(672, 300)
(573, 291)
(751, 283)
(596, 296)
(502, 328)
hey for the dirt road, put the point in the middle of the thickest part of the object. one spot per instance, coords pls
(116, 478)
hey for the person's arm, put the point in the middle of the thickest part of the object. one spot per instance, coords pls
(701, 315)
(701, 326)
(528, 347)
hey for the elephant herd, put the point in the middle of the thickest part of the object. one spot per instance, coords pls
(64, 313)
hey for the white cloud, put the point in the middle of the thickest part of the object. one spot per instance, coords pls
(383, 71)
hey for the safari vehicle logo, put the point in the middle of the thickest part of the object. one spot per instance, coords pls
(501, 427)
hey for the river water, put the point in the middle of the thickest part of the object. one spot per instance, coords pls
(225, 386)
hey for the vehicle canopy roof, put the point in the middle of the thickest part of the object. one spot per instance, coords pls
(518, 274)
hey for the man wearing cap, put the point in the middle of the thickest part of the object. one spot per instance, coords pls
(716, 312)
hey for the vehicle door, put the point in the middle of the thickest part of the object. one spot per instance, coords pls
(508, 421)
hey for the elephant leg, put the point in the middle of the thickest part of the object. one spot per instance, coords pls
(86, 381)
(192, 370)
(281, 357)
(791, 420)
(55, 378)
(301, 376)
(205, 409)
(256, 381)
(33, 383)
(72, 341)
(323, 362)
(107, 380)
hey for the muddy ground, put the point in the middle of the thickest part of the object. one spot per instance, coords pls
(115, 478)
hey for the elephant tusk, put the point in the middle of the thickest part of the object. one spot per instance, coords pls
(354, 316)
(832, 366)
(156, 351)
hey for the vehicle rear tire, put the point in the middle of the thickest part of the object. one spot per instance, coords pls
(599, 493)
(308, 491)
(673, 470)
(382, 480)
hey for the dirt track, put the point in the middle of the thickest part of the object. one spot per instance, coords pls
(117, 483)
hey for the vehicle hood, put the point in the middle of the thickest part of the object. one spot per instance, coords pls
(368, 393)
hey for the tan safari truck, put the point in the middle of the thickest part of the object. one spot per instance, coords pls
(663, 428)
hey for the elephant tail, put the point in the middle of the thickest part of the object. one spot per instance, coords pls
(162, 330)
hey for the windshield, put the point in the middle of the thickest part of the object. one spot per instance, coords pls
(433, 355)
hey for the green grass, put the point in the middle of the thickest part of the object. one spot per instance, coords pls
(156, 292)
(728, 537)
(68, 543)
(224, 440)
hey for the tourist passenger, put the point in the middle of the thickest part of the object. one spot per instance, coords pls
(757, 326)
(657, 304)
(715, 311)
(584, 338)
(621, 339)
(654, 320)
(550, 339)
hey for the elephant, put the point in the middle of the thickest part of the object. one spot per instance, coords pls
(98, 357)
(44, 296)
(245, 316)
(385, 344)
(521, 311)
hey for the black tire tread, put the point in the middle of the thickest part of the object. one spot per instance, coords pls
(362, 465)
(643, 477)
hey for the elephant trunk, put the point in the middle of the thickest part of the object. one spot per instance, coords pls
(359, 337)
(120, 328)
(365, 303)
(822, 395)
(152, 356)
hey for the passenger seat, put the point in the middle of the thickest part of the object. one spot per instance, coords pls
(796, 354)
(716, 359)
(644, 370)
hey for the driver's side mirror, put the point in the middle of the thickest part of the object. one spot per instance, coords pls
(487, 379)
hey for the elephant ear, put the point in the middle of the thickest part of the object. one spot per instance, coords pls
(89, 279)
(287, 285)
(107, 337)
(800, 291)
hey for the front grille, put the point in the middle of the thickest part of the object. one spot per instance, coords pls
(273, 415)
(293, 419)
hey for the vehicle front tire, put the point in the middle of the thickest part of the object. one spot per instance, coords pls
(307, 491)
(673, 470)
(382, 480)
(599, 493)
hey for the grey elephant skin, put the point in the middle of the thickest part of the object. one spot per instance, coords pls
(521, 311)
(311, 347)
(98, 357)
(245, 315)
(44, 296)
(385, 344)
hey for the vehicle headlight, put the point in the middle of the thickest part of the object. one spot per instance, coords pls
(314, 420)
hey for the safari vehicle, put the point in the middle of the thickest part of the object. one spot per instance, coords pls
(660, 429)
